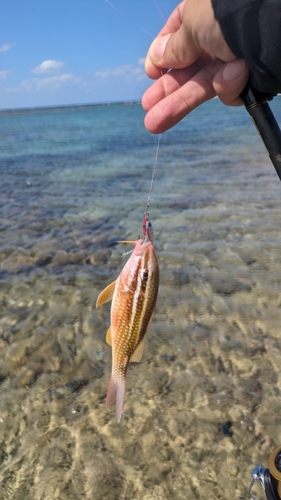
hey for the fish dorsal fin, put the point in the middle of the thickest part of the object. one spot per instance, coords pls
(137, 354)
(106, 294)
(108, 336)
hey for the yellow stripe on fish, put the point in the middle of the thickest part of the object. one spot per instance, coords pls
(134, 296)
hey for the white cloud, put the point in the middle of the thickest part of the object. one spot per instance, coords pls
(120, 70)
(4, 73)
(6, 47)
(57, 81)
(130, 71)
(49, 66)
(49, 83)
(141, 61)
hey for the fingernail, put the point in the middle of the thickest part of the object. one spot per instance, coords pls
(157, 48)
(234, 69)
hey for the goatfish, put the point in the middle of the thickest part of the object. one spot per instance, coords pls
(133, 296)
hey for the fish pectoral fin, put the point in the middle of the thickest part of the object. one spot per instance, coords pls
(106, 294)
(108, 336)
(137, 354)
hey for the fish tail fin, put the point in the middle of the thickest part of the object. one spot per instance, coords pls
(116, 392)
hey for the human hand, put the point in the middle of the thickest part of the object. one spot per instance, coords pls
(192, 47)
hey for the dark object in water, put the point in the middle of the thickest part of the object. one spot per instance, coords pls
(77, 385)
(225, 428)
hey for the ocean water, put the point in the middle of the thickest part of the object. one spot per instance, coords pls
(203, 406)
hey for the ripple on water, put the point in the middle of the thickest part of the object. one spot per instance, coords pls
(212, 355)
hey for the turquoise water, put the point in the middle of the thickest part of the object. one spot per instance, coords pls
(74, 181)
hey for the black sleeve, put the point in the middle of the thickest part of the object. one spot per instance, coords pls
(252, 30)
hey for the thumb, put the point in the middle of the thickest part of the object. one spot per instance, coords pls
(175, 50)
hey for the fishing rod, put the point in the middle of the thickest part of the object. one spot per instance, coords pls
(258, 108)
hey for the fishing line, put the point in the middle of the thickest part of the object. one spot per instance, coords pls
(160, 137)
(160, 11)
(128, 19)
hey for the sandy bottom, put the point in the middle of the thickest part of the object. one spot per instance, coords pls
(201, 409)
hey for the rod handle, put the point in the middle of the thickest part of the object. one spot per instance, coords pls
(258, 108)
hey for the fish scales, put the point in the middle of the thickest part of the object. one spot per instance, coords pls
(134, 296)
(132, 307)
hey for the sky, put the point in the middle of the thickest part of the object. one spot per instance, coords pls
(60, 52)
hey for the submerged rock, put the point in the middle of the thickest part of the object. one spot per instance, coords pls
(61, 257)
(224, 284)
(44, 258)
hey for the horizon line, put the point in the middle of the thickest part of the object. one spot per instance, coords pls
(75, 105)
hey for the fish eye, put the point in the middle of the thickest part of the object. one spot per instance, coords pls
(144, 274)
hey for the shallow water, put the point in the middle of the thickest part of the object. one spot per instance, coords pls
(74, 181)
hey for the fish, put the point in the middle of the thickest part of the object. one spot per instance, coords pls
(134, 295)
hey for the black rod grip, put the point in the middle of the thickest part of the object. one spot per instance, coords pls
(265, 122)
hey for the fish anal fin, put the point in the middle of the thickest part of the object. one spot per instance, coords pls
(137, 354)
(108, 336)
(106, 295)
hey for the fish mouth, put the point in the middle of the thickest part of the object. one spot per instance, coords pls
(140, 245)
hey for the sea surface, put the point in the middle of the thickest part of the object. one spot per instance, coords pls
(203, 406)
